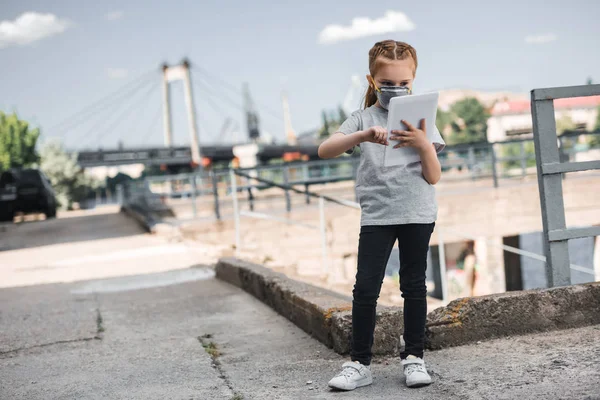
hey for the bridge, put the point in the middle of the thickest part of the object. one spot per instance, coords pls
(165, 311)
(100, 129)
(183, 155)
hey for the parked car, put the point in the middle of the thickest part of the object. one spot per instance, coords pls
(26, 191)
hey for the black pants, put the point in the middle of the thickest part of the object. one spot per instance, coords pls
(374, 249)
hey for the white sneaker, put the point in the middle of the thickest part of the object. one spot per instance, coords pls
(415, 372)
(352, 376)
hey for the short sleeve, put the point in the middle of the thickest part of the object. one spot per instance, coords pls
(351, 125)
(437, 140)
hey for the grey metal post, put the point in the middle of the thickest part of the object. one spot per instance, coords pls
(551, 195)
(443, 272)
(286, 179)
(323, 228)
(250, 199)
(494, 169)
(193, 187)
(236, 211)
(523, 160)
(471, 158)
(120, 195)
(215, 193)
(307, 193)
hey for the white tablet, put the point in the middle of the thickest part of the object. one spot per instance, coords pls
(411, 108)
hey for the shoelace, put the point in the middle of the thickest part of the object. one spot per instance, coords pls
(348, 372)
(410, 368)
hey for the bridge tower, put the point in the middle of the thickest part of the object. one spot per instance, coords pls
(177, 73)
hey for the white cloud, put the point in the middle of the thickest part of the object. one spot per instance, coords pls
(541, 39)
(392, 21)
(117, 73)
(30, 27)
(114, 15)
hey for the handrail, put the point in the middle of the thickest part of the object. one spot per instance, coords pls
(341, 202)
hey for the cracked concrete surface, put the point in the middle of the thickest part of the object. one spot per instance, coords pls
(149, 346)
(150, 350)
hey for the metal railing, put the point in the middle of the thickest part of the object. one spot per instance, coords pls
(441, 231)
(495, 161)
(550, 168)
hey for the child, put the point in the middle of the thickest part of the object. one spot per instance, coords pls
(397, 203)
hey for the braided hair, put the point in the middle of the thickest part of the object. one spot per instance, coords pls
(391, 50)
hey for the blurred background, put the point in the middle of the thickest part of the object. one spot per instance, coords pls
(147, 107)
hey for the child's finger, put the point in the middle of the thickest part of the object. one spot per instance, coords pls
(408, 125)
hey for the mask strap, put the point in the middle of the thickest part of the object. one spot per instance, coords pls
(374, 85)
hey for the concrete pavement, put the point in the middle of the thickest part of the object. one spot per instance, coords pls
(148, 344)
(158, 325)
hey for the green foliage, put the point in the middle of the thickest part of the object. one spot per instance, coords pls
(66, 176)
(324, 132)
(119, 179)
(443, 120)
(564, 124)
(467, 120)
(514, 150)
(331, 122)
(595, 140)
(17, 142)
(341, 115)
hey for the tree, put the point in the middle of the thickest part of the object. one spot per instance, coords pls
(342, 115)
(324, 131)
(443, 120)
(590, 81)
(17, 142)
(468, 121)
(595, 140)
(332, 120)
(564, 124)
(66, 176)
(510, 150)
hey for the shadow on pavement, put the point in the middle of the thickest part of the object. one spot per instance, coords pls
(68, 228)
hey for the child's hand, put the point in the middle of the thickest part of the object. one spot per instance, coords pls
(412, 137)
(375, 134)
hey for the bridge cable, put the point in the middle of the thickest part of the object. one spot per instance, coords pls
(82, 115)
(212, 77)
(103, 118)
(141, 114)
(126, 112)
(153, 123)
(115, 121)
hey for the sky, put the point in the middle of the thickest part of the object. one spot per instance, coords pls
(59, 57)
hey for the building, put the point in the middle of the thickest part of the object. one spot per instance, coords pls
(512, 119)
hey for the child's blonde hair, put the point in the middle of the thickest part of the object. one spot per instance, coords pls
(391, 50)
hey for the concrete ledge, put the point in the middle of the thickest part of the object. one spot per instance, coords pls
(149, 220)
(327, 315)
(473, 319)
(142, 218)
